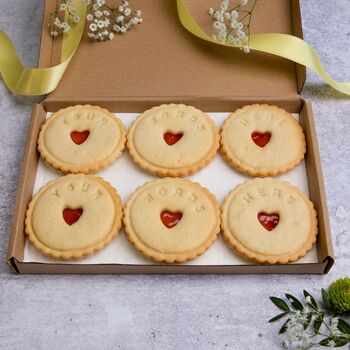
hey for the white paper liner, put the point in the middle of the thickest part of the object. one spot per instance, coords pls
(126, 176)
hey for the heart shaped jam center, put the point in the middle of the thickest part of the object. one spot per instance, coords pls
(171, 138)
(170, 219)
(269, 221)
(261, 139)
(79, 137)
(71, 216)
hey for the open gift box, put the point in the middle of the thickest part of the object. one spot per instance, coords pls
(160, 62)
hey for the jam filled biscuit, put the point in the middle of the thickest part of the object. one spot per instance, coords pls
(262, 140)
(81, 139)
(172, 220)
(269, 221)
(74, 216)
(173, 140)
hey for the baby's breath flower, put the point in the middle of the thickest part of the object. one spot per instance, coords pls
(93, 27)
(100, 24)
(229, 26)
(54, 33)
(57, 26)
(119, 18)
(245, 48)
(56, 21)
(286, 344)
(62, 7)
(234, 14)
(105, 19)
(66, 27)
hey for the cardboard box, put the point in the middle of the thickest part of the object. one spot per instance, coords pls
(160, 62)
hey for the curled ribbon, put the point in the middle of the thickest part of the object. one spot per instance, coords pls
(283, 45)
(39, 81)
(22, 80)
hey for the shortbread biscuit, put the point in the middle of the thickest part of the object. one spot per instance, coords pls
(81, 139)
(172, 220)
(74, 216)
(173, 140)
(262, 140)
(269, 221)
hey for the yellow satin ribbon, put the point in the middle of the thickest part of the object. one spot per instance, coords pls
(283, 45)
(39, 81)
(22, 80)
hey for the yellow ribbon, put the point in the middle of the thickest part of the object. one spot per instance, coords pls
(283, 45)
(22, 80)
(39, 81)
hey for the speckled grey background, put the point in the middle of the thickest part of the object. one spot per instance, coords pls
(168, 312)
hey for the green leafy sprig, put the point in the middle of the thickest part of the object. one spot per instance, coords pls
(307, 326)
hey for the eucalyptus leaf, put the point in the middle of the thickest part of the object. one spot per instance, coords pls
(325, 298)
(341, 341)
(284, 327)
(343, 326)
(295, 302)
(312, 303)
(278, 316)
(308, 320)
(280, 303)
(326, 341)
(318, 323)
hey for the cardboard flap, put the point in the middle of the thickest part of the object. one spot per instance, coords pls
(160, 58)
(25, 187)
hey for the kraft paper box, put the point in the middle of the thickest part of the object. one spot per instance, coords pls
(160, 62)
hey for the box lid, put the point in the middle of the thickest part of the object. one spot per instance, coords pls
(160, 61)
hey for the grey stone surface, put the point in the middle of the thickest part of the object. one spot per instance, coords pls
(168, 312)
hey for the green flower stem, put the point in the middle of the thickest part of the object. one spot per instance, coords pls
(250, 19)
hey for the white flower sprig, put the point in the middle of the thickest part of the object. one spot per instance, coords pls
(103, 20)
(232, 23)
(59, 26)
(307, 326)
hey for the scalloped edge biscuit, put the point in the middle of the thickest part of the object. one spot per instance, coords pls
(63, 167)
(239, 165)
(173, 257)
(77, 253)
(168, 172)
(241, 250)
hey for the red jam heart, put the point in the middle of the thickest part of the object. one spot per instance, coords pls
(79, 137)
(170, 219)
(261, 139)
(171, 138)
(269, 221)
(71, 216)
